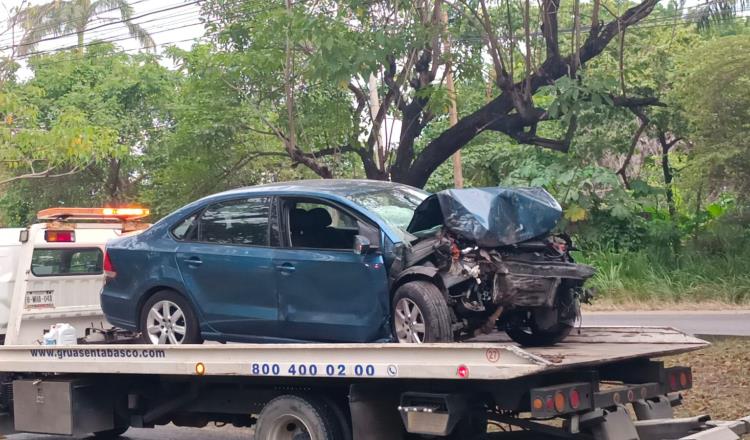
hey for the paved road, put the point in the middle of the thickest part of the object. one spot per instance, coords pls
(735, 323)
(164, 433)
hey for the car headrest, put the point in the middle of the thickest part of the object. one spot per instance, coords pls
(297, 219)
(318, 218)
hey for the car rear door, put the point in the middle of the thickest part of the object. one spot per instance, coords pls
(326, 291)
(228, 270)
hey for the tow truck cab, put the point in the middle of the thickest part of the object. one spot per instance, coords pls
(59, 263)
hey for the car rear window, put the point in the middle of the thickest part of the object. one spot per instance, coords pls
(64, 262)
(242, 221)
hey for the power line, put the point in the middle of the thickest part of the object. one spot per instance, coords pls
(31, 43)
(48, 62)
(36, 28)
(169, 17)
(106, 33)
(100, 42)
(127, 36)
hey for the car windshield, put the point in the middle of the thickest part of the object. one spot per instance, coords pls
(395, 205)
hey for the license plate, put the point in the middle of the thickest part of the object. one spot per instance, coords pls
(39, 299)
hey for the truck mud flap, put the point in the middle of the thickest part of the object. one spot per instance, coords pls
(374, 411)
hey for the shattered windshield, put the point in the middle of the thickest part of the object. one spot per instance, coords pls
(395, 205)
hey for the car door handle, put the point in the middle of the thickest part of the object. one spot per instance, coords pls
(193, 261)
(286, 267)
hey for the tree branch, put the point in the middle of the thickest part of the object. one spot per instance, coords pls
(644, 121)
(44, 174)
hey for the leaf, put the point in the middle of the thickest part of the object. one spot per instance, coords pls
(620, 211)
(575, 213)
(715, 210)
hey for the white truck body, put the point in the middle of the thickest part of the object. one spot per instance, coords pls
(45, 282)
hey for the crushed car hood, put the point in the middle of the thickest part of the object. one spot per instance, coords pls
(490, 217)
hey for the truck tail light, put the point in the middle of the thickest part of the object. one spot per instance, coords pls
(575, 398)
(559, 401)
(679, 378)
(109, 269)
(59, 236)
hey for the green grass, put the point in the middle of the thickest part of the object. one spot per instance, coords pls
(656, 276)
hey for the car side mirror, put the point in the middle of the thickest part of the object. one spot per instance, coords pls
(361, 245)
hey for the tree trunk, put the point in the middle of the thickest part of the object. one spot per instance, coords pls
(668, 188)
(79, 34)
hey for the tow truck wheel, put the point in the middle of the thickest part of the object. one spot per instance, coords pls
(167, 318)
(291, 417)
(420, 314)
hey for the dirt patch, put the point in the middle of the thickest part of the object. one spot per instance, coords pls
(721, 375)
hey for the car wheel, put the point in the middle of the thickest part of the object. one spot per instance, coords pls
(167, 318)
(420, 314)
(296, 417)
(111, 434)
(522, 329)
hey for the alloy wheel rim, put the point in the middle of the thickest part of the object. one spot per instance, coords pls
(289, 427)
(166, 324)
(409, 322)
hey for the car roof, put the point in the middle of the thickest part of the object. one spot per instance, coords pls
(339, 187)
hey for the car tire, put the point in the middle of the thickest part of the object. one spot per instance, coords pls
(522, 325)
(180, 317)
(289, 416)
(530, 336)
(111, 434)
(420, 314)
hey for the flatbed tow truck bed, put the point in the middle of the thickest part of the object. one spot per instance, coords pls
(364, 391)
(489, 357)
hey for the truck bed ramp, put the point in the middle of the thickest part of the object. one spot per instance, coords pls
(489, 357)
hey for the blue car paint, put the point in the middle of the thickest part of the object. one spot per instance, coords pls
(239, 294)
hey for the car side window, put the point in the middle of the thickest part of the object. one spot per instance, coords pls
(185, 230)
(320, 226)
(243, 221)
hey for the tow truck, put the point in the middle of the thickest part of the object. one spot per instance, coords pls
(51, 271)
(601, 383)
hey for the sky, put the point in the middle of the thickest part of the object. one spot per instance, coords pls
(169, 22)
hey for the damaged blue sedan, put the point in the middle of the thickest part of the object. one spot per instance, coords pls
(348, 261)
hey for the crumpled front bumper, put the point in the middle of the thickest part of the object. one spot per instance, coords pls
(524, 284)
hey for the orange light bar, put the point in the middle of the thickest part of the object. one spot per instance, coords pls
(92, 213)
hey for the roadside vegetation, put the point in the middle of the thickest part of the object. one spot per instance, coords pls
(637, 124)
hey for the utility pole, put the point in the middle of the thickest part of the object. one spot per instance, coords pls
(458, 175)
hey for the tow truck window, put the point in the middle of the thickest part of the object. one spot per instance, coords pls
(64, 262)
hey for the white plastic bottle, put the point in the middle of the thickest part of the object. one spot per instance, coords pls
(66, 334)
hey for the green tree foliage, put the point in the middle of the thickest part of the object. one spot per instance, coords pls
(86, 124)
(306, 69)
(215, 142)
(715, 96)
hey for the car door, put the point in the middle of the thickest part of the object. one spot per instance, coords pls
(227, 268)
(326, 291)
